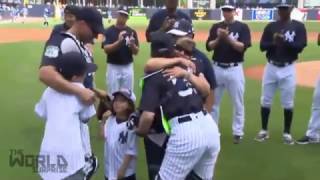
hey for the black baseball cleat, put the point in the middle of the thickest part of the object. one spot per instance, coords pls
(237, 139)
(307, 140)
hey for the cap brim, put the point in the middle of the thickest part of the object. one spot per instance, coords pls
(91, 67)
(177, 32)
(284, 6)
(227, 7)
(123, 12)
(164, 51)
(122, 94)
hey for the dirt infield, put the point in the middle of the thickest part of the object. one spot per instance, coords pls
(16, 35)
(307, 73)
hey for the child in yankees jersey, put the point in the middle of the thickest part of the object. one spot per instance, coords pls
(120, 142)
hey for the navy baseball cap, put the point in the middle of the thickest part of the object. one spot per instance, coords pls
(227, 8)
(70, 9)
(74, 64)
(123, 10)
(127, 93)
(93, 18)
(181, 28)
(162, 45)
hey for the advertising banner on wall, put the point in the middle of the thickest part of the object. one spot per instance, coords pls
(200, 14)
(137, 12)
(299, 14)
(311, 3)
(262, 14)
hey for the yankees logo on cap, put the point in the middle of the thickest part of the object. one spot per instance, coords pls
(127, 93)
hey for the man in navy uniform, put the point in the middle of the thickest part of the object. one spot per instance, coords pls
(88, 26)
(229, 40)
(164, 19)
(121, 43)
(282, 40)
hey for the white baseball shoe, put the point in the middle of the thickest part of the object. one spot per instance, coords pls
(262, 136)
(287, 139)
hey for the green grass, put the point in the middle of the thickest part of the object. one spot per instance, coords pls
(139, 23)
(21, 129)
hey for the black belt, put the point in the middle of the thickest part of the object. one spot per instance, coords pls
(280, 64)
(226, 65)
(188, 118)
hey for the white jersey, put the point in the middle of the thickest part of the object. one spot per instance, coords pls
(119, 142)
(62, 138)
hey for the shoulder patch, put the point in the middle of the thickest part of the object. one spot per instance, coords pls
(52, 51)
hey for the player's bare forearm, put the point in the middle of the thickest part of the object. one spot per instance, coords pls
(212, 44)
(264, 45)
(124, 166)
(155, 64)
(200, 83)
(101, 129)
(209, 101)
(238, 46)
(135, 49)
(145, 123)
(109, 48)
(126, 161)
(50, 77)
(148, 36)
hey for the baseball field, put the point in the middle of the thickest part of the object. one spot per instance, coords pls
(21, 131)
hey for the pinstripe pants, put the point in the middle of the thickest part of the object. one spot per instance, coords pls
(192, 145)
(119, 76)
(314, 122)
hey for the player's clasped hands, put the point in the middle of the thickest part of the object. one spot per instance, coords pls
(167, 24)
(222, 33)
(278, 38)
(121, 36)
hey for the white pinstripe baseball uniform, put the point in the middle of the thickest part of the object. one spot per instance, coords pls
(194, 141)
(119, 141)
(193, 145)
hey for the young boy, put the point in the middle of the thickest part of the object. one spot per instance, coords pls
(65, 115)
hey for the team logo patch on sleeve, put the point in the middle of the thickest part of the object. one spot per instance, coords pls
(52, 51)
